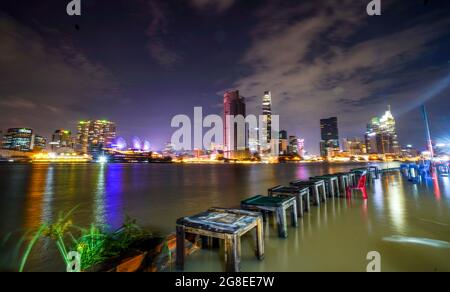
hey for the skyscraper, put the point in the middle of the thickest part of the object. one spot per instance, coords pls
(61, 140)
(40, 143)
(18, 139)
(329, 136)
(283, 142)
(234, 145)
(381, 135)
(266, 128)
(354, 146)
(293, 148)
(93, 136)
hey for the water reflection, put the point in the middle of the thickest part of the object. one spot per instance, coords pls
(108, 197)
(334, 237)
(437, 190)
(47, 212)
(34, 198)
(396, 205)
(114, 191)
(99, 199)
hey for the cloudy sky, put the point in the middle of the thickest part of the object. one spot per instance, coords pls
(140, 62)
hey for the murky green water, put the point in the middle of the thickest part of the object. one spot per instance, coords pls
(408, 224)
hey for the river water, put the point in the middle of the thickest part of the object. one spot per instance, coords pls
(408, 224)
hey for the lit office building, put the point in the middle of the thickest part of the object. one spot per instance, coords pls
(18, 139)
(266, 128)
(293, 146)
(381, 135)
(62, 140)
(40, 143)
(93, 136)
(354, 146)
(329, 144)
(234, 105)
(284, 143)
(253, 142)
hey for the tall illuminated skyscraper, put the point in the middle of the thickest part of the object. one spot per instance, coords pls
(93, 136)
(234, 105)
(19, 139)
(381, 135)
(330, 136)
(61, 139)
(266, 128)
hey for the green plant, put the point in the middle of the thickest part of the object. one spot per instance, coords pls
(94, 244)
(91, 246)
(55, 231)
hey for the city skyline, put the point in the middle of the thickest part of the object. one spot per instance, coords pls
(141, 73)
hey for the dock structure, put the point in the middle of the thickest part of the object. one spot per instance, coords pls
(344, 181)
(331, 184)
(300, 193)
(316, 187)
(228, 225)
(372, 171)
(277, 206)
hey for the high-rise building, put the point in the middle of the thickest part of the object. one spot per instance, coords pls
(266, 128)
(293, 148)
(40, 143)
(235, 146)
(283, 142)
(18, 139)
(62, 140)
(329, 143)
(93, 136)
(253, 142)
(354, 146)
(381, 135)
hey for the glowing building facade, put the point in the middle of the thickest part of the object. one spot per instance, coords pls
(234, 105)
(266, 127)
(354, 146)
(93, 136)
(18, 139)
(62, 140)
(381, 135)
(284, 142)
(329, 132)
(40, 143)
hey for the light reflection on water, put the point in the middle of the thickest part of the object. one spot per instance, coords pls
(335, 237)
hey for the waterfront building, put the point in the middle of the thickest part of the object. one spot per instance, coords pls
(234, 105)
(18, 139)
(94, 135)
(40, 143)
(293, 148)
(354, 146)
(62, 141)
(253, 142)
(284, 142)
(329, 144)
(266, 127)
(381, 135)
(410, 152)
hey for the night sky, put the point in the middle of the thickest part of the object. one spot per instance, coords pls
(140, 62)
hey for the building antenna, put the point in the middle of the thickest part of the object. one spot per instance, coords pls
(427, 129)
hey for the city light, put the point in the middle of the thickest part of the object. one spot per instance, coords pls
(61, 158)
(102, 159)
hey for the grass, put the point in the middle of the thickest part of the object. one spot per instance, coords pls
(94, 244)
